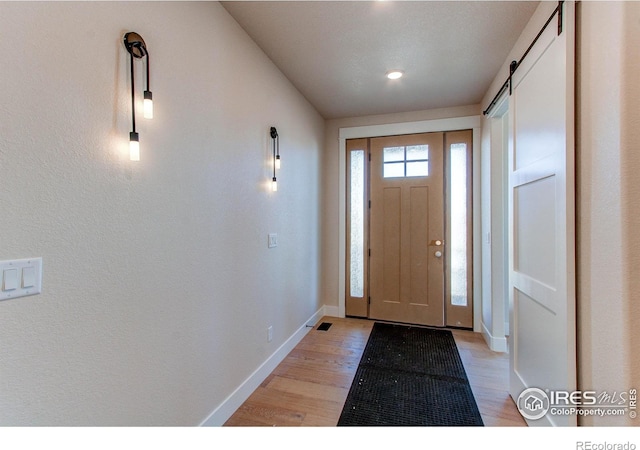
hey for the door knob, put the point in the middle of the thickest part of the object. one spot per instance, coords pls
(438, 254)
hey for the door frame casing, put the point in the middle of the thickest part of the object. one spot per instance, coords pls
(426, 126)
(495, 217)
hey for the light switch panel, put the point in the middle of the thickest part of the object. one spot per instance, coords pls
(273, 240)
(21, 277)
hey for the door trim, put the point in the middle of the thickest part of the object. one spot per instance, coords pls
(426, 126)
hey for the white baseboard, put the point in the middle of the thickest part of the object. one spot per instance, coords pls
(496, 344)
(226, 409)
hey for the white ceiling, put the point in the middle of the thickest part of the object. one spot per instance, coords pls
(337, 52)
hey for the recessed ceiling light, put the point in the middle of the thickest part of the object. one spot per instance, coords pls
(394, 74)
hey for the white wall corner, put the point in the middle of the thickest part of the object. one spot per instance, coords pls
(225, 410)
(495, 343)
(332, 311)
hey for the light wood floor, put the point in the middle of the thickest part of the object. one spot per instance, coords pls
(311, 384)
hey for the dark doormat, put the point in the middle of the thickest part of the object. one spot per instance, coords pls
(410, 376)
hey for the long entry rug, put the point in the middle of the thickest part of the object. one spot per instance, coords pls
(410, 376)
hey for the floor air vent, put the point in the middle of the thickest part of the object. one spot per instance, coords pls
(324, 326)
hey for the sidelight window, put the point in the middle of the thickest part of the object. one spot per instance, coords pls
(357, 224)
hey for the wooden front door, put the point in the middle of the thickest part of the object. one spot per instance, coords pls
(407, 229)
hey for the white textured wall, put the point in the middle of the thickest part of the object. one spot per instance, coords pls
(158, 285)
(608, 199)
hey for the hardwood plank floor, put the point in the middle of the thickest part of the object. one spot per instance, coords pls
(311, 384)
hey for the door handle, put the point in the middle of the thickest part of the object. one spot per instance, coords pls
(438, 254)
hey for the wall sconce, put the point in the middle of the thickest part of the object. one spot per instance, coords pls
(136, 47)
(276, 157)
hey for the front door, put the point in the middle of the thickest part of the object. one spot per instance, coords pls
(407, 229)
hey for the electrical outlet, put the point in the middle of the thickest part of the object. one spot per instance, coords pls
(270, 334)
(273, 240)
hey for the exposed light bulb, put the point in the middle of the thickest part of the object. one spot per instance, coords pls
(148, 105)
(277, 161)
(274, 184)
(134, 146)
(394, 74)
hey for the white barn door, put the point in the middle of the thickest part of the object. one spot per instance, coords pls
(542, 344)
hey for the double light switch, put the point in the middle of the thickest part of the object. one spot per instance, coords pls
(20, 277)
